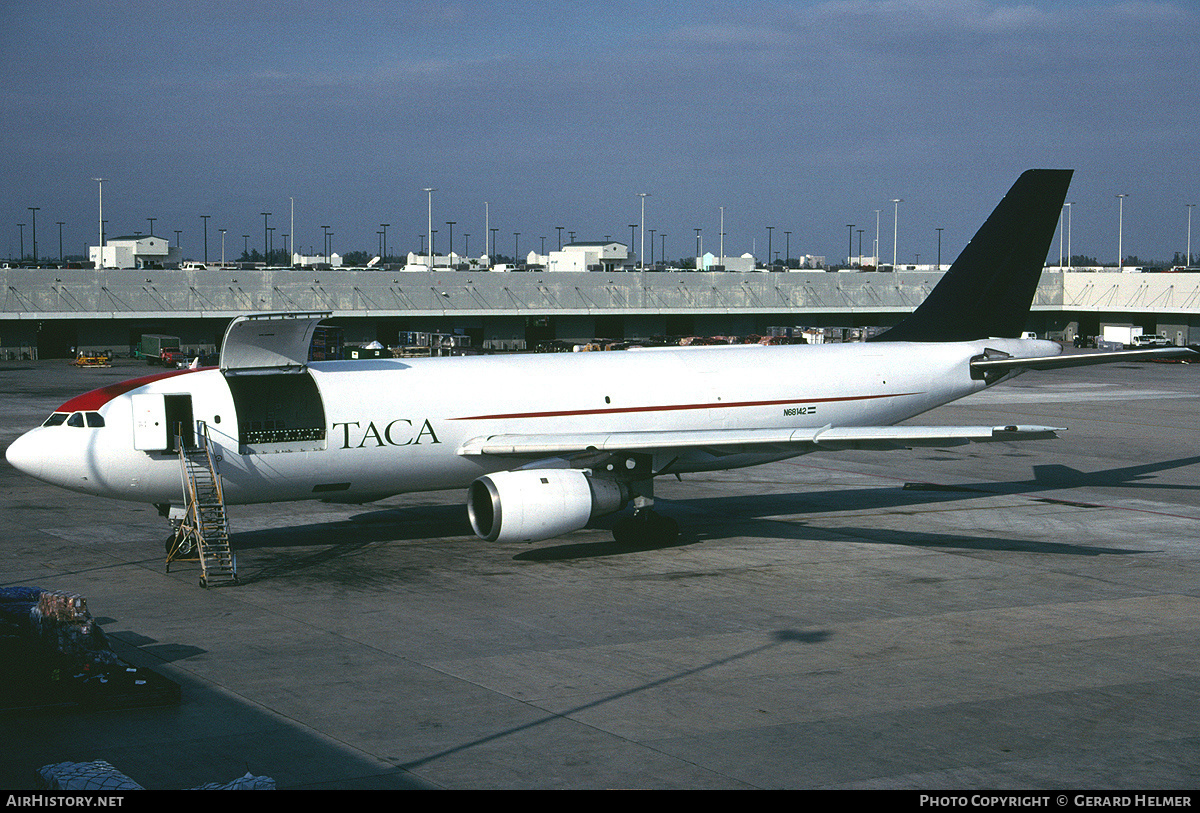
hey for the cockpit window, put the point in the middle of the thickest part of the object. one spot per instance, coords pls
(92, 420)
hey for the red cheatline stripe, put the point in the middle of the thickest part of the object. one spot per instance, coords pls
(673, 407)
(98, 398)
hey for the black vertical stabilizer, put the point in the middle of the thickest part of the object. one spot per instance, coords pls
(989, 288)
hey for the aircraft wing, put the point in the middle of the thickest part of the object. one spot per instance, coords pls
(1003, 363)
(731, 441)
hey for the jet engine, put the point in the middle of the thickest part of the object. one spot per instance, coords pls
(529, 505)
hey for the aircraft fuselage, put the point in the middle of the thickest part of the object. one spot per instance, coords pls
(363, 430)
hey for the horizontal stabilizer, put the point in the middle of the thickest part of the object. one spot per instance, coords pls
(1005, 364)
(742, 440)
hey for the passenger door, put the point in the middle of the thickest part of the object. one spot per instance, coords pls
(157, 418)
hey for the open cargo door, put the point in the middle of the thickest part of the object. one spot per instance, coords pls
(264, 359)
(269, 342)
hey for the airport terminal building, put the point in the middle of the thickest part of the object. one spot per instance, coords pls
(50, 313)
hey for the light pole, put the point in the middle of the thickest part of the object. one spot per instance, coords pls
(100, 248)
(1121, 230)
(450, 245)
(560, 229)
(1060, 236)
(222, 231)
(787, 245)
(850, 244)
(722, 260)
(877, 211)
(34, 210)
(265, 215)
(429, 193)
(205, 219)
(60, 254)
(1070, 262)
(642, 252)
(770, 229)
(895, 228)
(1189, 206)
(383, 258)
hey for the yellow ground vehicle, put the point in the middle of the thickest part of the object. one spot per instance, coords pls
(93, 360)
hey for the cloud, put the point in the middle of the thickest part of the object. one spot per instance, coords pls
(575, 108)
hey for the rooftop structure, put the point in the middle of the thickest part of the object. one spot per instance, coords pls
(135, 251)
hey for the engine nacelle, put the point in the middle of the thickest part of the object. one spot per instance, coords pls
(534, 504)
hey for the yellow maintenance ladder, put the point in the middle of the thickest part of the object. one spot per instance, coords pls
(203, 533)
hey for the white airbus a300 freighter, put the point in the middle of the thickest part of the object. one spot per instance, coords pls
(545, 443)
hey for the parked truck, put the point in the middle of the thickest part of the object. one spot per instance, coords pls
(1151, 340)
(156, 349)
(1119, 337)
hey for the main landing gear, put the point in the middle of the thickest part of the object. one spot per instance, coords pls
(645, 527)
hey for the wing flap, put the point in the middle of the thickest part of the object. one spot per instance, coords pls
(844, 437)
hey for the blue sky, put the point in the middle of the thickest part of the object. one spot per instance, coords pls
(802, 116)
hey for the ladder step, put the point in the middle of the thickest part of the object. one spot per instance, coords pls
(207, 509)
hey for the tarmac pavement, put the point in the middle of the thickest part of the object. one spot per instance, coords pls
(1001, 616)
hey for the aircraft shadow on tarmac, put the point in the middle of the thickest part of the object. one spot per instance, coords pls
(741, 522)
(1049, 477)
(751, 515)
(390, 524)
(759, 509)
(332, 541)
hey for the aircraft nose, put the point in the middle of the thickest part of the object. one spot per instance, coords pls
(24, 455)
